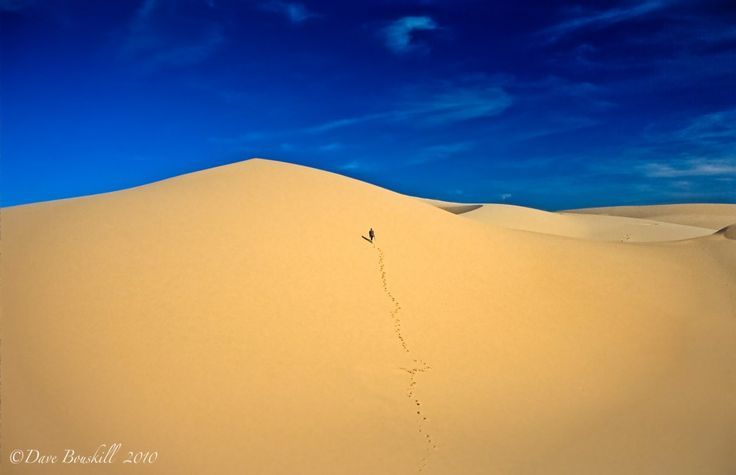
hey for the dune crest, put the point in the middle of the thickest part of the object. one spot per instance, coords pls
(713, 216)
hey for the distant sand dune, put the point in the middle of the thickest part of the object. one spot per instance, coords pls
(583, 226)
(235, 321)
(714, 216)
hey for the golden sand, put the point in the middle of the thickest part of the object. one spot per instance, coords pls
(235, 321)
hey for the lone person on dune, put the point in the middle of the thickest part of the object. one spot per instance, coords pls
(371, 234)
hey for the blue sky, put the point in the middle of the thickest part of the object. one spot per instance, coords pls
(539, 103)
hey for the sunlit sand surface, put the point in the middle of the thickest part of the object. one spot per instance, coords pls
(714, 216)
(584, 226)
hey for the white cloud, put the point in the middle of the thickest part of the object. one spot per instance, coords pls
(398, 35)
(698, 167)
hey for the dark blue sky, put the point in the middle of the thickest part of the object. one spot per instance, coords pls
(539, 103)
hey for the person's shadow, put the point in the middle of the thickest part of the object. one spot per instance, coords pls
(367, 239)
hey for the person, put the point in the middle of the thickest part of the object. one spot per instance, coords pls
(371, 234)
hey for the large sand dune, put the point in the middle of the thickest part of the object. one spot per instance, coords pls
(235, 321)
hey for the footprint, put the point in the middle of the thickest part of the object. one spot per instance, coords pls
(421, 366)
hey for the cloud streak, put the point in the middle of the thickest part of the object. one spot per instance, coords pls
(703, 148)
(712, 135)
(603, 18)
(712, 128)
(187, 54)
(698, 167)
(446, 107)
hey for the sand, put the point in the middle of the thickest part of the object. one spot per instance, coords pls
(235, 321)
(584, 226)
(707, 215)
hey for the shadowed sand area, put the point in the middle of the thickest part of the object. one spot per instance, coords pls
(235, 321)
(729, 232)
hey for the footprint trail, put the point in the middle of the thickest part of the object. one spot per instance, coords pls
(418, 367)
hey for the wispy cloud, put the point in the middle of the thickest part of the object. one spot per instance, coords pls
(296, 13)
(398, 36)
(428, 107)
(187, 54)
(560, 125)
(603, 18)
(704, 147)
(457, 104)
(549, 106)
(696, 167)
(150, 42)
(714, 127)
(463, 104)
(690, 160)
(352, 165)
(347, 122)
(711, 135)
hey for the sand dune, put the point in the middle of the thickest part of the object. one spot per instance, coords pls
(235, 321)
(714, 216)
(584, 226)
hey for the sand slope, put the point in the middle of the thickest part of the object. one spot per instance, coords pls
(235, 321)
(454, 208)
(583, 226)
(714, 216)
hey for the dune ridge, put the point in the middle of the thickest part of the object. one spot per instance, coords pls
(583, 226)
(241, 307)
(707, 215)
